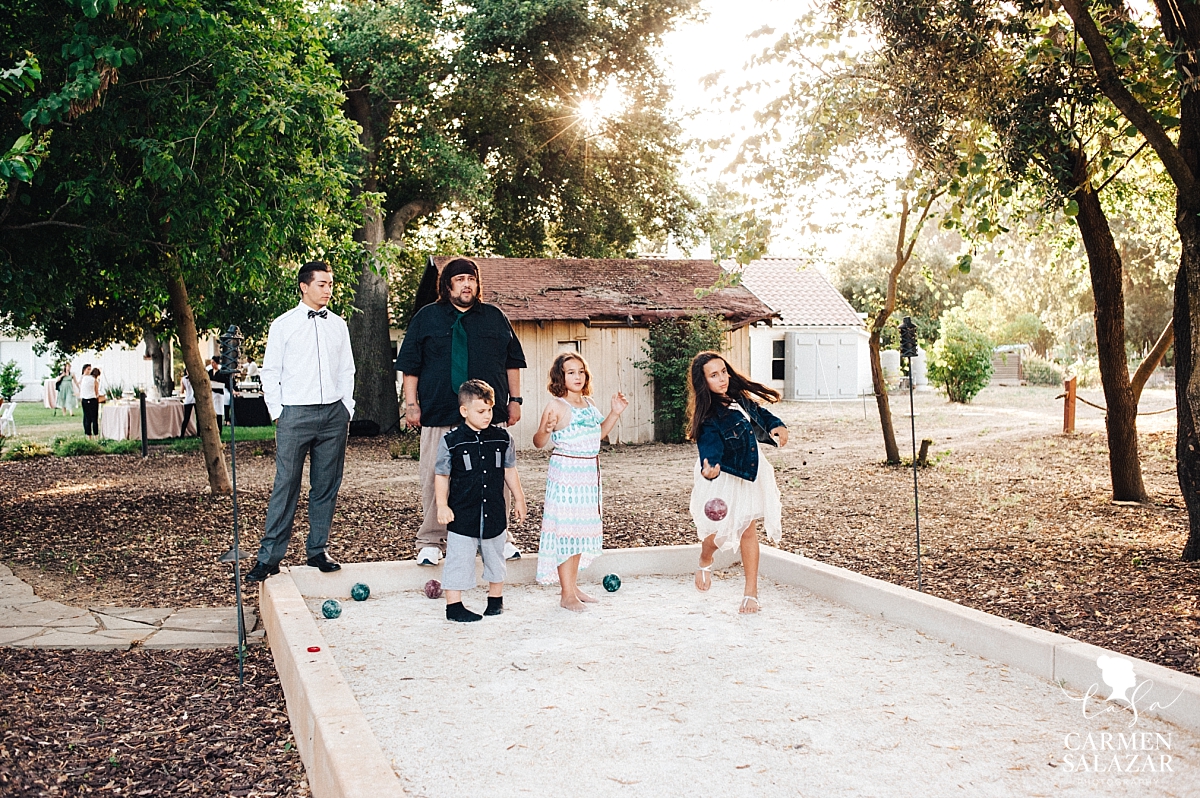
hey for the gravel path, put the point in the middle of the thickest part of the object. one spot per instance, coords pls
(662, 691)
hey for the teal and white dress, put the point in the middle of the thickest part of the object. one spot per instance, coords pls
(571, 522)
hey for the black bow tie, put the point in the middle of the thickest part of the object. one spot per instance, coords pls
(322, 313)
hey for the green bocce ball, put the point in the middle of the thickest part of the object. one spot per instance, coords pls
(360, 592)
(612, 583)
(332, 608)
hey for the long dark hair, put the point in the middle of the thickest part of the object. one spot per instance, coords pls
(703, 403)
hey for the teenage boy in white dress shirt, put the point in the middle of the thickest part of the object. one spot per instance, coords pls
(308, 385)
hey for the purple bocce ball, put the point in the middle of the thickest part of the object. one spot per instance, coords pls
(716, 509)
(433, 589)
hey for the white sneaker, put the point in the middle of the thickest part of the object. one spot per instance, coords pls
(511, 552)
(430, 555)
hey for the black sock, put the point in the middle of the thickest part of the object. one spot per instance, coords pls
(457, 612)
(495, 605)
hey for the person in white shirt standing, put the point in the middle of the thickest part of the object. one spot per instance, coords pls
(308, 385)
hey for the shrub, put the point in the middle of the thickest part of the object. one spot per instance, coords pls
(1039, 371)
(961, 360)
(670, 347)
(10, 380)
(73, 447)
(122, 447)
(27, 450)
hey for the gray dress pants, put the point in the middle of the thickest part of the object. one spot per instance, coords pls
(319, 432)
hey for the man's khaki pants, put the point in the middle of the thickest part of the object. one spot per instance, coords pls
(431, 532)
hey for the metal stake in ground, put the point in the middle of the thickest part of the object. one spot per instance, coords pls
(908, 349)
(231, 356)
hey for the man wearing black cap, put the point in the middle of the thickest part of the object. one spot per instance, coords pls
(458, 338)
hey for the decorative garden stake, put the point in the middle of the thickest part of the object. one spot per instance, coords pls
(231, 357)
(908, 349)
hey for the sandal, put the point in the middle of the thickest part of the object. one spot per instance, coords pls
(701, 573)
(746, 603)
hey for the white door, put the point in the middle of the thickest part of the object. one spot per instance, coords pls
(827, 366)
(800, 361)
(847, 375)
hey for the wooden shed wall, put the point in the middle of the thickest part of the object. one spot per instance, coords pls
(610, 353)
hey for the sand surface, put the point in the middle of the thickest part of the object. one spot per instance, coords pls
(660, 690)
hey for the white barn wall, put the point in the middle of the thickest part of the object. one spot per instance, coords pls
(610, 353)
(762, 338)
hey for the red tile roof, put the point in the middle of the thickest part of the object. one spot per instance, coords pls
(801, 294)
(604, 290)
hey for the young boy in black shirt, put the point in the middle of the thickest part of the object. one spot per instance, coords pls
(474, 462)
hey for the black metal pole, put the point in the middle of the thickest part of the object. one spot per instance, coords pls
(142, 405)
(912, 415)
(237, 561)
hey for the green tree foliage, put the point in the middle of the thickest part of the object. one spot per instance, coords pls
(961, 360)
(10, 380)
(924, 291)
(669, 348)
(198, 152)
(1014, 74)
(542, 122)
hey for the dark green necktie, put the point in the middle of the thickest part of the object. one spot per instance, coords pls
(458, 353)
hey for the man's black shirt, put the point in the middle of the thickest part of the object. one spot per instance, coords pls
(492, 349)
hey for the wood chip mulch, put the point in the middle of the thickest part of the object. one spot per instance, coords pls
(76, 723)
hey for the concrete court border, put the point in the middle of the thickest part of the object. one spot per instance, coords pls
(343, 758)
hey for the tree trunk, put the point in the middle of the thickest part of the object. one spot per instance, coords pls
(1147, 366)
(904, 250)
(160, 365)
(1104, 265)
(375, 395)
(1187, 330)
(881, 399)
(206, 417)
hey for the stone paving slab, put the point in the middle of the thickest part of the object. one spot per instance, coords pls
(207, 619)
(180, 638)
(11, 634)
(150, 615)
(27, 621)
(48, 613)
(110, 622)
(61, 639)
(8, 603)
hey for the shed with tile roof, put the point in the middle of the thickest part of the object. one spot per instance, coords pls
(602, 309)
(817, 349)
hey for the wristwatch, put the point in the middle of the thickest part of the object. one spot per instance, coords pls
(516, 399)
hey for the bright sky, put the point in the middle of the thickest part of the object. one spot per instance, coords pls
(719, 43)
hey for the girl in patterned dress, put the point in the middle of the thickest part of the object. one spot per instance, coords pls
(572, 531)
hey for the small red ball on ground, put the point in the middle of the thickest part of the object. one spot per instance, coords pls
(716, 509)
(433, 589)
(314, 649)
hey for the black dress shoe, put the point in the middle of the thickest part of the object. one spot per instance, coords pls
(260, 572)
(323, 562)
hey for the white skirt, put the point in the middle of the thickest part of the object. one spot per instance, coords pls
(746, 502)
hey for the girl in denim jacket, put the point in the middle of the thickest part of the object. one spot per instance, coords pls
(734, 482)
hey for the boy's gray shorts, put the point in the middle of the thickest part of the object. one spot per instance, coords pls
(458, 569)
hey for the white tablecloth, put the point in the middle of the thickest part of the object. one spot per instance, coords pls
(120, 421)
(50, 397)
